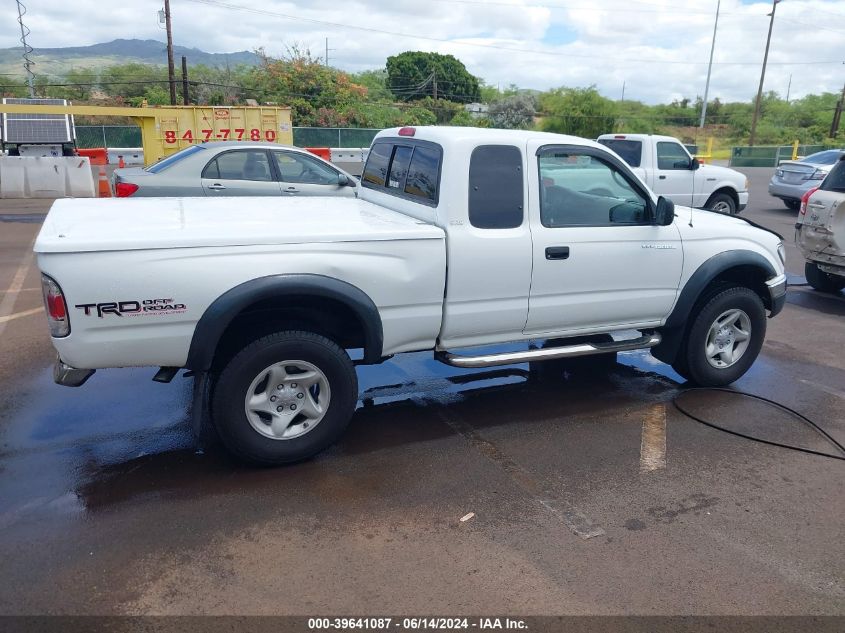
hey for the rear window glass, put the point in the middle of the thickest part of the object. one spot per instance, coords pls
(406, 168)
(630, 151)
(375, 171)
(422, 174)
(175, 158)
(835, 180)
(399, 167)
(496, 187)
(822, 158)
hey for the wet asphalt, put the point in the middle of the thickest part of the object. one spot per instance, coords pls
(590, 492)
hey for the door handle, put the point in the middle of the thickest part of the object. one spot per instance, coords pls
(816, 205)
(216, 187)
(557, 252)
(661, 177)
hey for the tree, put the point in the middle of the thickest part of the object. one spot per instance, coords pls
(414, 74)
(515, 112)
(578, 111)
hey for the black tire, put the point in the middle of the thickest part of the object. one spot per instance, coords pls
(791, 203)
(822, 281)
(230, 391)
(692, 362)
(722, 203)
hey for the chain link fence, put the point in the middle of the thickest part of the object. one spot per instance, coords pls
(769, 155)
(88, 136)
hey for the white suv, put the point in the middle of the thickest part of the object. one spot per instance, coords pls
(820, 231)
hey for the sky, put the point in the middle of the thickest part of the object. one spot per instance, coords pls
(657, 49)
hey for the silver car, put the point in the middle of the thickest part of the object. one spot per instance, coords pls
(820, 232)
(793, 178)
(226, 168)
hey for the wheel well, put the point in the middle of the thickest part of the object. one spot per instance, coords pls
(752, 277)
(329, 317)
(726, 190)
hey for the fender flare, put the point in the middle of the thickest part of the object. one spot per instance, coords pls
(226, 307)
(675, 326)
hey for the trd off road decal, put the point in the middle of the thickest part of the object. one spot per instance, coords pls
(132, 308)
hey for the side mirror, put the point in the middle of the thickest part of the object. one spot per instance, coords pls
(665, 212)
(694, 164)
(345, 181)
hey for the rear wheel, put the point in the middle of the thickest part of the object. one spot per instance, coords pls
(284, 398)
(792, 203)
(822, 281)
(722, 203)
(724, 339)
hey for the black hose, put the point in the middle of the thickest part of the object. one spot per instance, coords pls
(815, 426)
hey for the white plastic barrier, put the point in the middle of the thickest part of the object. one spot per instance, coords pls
(131, 155)
(46, 177)
(351, 159)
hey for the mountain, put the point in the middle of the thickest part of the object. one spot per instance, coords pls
(57, 61)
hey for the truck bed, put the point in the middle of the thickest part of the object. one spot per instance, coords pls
(85, 225)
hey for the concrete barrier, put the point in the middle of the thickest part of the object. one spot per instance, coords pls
(46, 177)
(131, 155)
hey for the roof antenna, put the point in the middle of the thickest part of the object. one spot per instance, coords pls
(692, 193)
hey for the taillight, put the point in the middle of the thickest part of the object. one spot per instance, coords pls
(125, 189)
(805, 199)
(407, 131)
(54, 302)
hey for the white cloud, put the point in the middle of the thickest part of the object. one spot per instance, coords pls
(607, 41)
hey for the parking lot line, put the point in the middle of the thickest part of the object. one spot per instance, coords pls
(18, 315)
(576, 521)
(653, 445)
(11, 294)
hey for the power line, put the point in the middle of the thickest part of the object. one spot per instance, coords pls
(236, 7)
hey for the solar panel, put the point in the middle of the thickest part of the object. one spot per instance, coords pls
(37, 128)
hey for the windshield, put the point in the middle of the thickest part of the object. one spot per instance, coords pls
(823, 158)
(175, 158)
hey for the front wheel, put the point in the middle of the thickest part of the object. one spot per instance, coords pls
(722, 203)
(284, 398)
(822, 281)
(724, 339)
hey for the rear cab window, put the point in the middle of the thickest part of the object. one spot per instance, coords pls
(404, 168)
(629, 151)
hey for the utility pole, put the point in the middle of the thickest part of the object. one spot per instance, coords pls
(788, 88)
(27, 49)
(837, 115)
(171, 72)
(434, 78)
(186, 99)
(710, 65)
(623, 91)
(762, 74)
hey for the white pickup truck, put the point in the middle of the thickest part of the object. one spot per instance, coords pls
(668, 169)
(461, 237)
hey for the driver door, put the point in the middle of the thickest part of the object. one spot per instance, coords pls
(303, 175)
(599, 261)
(674, 176)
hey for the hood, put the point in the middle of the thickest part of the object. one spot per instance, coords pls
(723, 174)
(122, 224)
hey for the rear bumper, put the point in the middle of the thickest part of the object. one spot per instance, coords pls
(777, 294)
(790, 192)
(64, 374)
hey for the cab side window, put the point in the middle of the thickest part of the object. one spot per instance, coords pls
(672, 156)
(579, 189)
(496, 196)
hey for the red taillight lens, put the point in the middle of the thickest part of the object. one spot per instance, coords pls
(407, 131)
(125, 189)
(805, 199)
(54, 301)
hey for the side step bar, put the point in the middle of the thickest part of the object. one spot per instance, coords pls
(549, 353)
